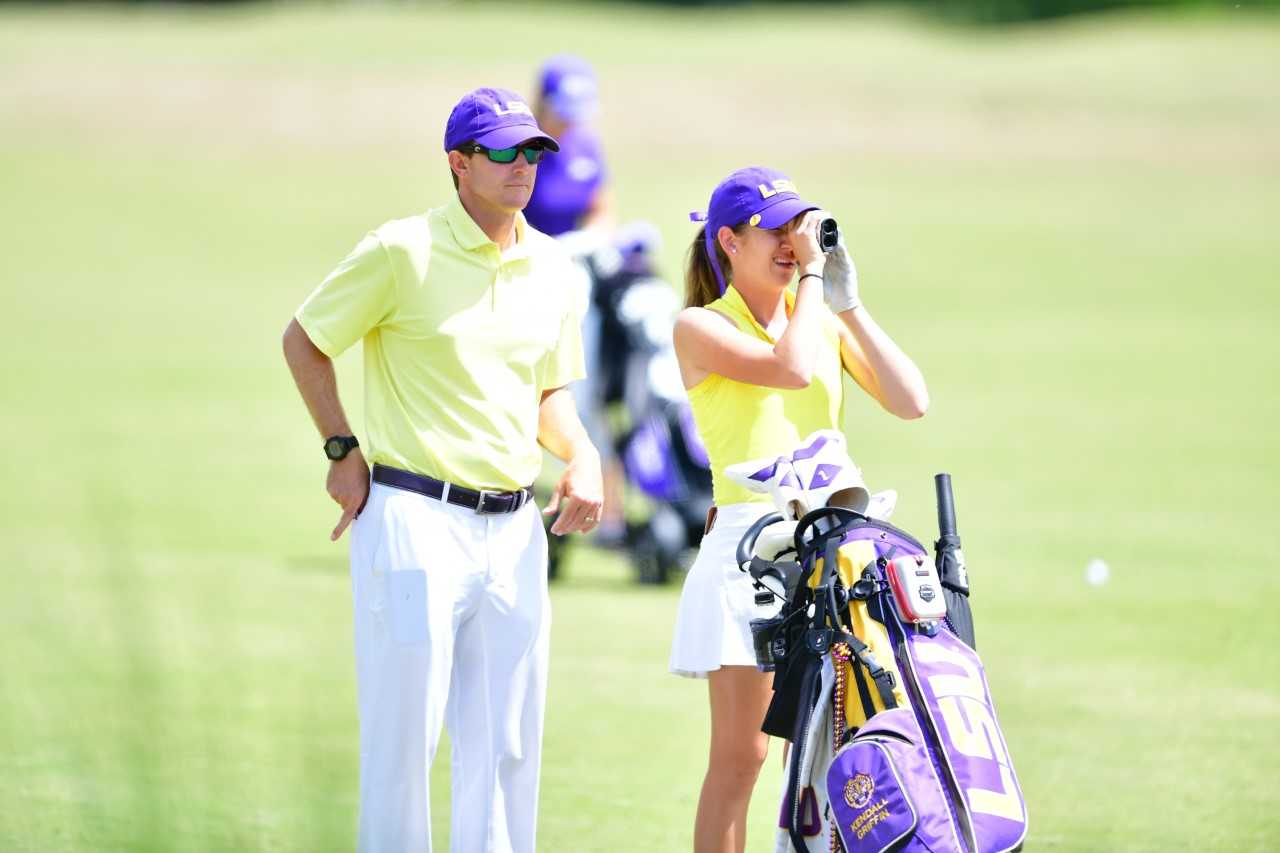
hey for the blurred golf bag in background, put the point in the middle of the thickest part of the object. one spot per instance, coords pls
(632, 366)
(895, 743)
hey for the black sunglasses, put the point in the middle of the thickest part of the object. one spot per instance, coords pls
(532, 153)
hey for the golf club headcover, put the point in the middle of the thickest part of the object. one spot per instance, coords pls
(811, 476)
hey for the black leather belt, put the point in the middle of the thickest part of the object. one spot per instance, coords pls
(484, 502)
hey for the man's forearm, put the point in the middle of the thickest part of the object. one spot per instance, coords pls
(317, 383)
(560, 430)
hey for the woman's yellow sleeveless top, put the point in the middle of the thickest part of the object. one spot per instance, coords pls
(738, 421)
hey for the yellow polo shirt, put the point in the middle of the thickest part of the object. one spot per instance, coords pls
(738, 421)
(460, 341)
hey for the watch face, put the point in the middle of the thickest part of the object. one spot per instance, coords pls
(338, 446)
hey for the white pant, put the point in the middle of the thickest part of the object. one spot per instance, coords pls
(452, 622)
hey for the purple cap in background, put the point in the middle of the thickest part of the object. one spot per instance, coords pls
(638, 243)
(494, 118)
(568, 85)
(638, 237)
(764, 198)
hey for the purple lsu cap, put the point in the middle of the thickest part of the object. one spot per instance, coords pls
(568, 85)
(763, 198)
(494, 118)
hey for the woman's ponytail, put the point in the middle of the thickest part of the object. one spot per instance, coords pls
(701, 286)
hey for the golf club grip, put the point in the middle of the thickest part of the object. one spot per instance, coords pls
(946, 505)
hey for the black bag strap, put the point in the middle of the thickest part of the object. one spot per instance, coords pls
(881, 677)
(864, 692)
(827, 615)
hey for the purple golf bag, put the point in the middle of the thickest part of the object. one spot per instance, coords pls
(895, 743)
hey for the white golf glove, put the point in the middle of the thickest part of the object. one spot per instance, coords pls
(840, 280)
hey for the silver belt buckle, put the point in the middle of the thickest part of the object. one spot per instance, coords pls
(518, 499)
(485, 494)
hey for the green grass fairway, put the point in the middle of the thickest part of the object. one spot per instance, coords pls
(1071, 227)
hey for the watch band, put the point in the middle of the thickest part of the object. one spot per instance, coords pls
(336, 447)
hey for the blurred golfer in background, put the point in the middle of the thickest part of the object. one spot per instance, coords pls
(470, 337)
(763, 368)
(572, 201)
(572, 190)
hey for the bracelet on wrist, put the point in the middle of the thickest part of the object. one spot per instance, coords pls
(809, 275)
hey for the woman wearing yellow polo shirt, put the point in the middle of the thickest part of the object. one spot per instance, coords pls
(763, 368)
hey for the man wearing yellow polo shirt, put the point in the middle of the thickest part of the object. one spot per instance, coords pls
(470, 337)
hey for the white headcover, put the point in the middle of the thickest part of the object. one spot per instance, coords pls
(817, 473)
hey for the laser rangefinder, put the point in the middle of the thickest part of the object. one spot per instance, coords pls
(828, 234)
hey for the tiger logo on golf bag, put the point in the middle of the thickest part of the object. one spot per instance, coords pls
(858, 791)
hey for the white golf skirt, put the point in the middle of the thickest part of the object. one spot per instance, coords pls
(718, 601)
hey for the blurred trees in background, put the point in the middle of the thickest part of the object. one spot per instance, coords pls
(965, 11)
(1009, 11)
(1003, 11)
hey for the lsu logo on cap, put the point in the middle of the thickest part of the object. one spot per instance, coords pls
(781, 185)
(513, 107)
